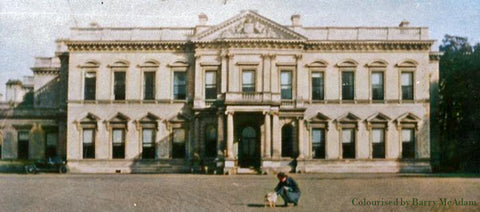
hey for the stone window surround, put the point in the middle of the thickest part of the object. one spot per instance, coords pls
(345, 66)
(119, 121)
(178, 66)
(405, 66)
(213, 68)
(377, 121)
(243, 68)
(118, 66)
(90, 121)
(347, 121)
(318, 121)
(407, 121)
(149, 66)
(287, 67)
(91, 66)
(149, 121)
(317, 66)
(375, 66)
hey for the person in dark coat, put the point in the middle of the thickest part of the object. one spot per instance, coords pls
(288, 189)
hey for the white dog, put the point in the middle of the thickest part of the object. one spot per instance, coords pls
(271, 199)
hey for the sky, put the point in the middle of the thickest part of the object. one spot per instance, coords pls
(29, 28)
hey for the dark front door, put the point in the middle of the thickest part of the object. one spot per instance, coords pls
(248, 150)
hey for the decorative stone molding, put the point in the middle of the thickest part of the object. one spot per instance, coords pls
(377, 119)
(408, 63)
(149, 64)
(377, 63)
(317, 64)
(368, 45)
(82, 46)
(347, 63)
(347, 118)
(435, 56)
(407, 119)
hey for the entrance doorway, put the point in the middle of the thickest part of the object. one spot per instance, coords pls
(248, 149)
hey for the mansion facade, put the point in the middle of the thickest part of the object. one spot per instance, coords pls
(244, 95)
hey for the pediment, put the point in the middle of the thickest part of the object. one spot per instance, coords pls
(320, 117)
(348, 117)
(249, 25)
(119, 117)
(150, 117)
(408, 117)
(378, 117)
(90, 118)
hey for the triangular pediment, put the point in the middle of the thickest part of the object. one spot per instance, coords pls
(378, 117)
(119, 117)
(348, 117)
(320, 117)
(408, 117)
(249, 25)
(150, 117)
(90, 118)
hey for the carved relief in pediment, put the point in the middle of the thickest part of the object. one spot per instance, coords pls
(249, 28)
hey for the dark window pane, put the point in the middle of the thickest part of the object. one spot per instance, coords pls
(407, 86)
(348, 143)
(119, 85)
(286, 84)
(378, 143)
(317, 86)
(248, 81)
(408, 143)
(179, 85)
(211, 141)
(348, 86)
(178, 148)
(23, 138)
(377, 85)
(210, 85)
(318, 143)
(149, 86)
(90, 86)
(51, 149)
(118, 143)
(88, 143)
(287, 141)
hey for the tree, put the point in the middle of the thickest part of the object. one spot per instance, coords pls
(459, 105)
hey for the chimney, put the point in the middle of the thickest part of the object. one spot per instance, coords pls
(202, 19)
(404, 23)
(296, 20)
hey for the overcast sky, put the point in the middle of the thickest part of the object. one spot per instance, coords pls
(29, 28)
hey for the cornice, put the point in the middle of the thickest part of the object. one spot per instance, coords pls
(369, 45)
(127, 46)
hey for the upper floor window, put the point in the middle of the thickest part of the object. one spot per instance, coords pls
(248, 81)
(407, 85)
(286, 84)
(317, 86)
(119, 85)
(377, 85)
(210, 85)
(149, 85)
(90, 86)
(179, 85)
(348, 85)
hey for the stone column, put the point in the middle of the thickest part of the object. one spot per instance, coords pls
(229, 134)
(301, 145)
(224, 81)
(268, 136)
(220, 134)
(277, 144)
(197, 137)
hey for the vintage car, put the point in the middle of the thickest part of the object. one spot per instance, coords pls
(51, 164)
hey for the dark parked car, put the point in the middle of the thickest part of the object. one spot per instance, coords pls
(51, 164)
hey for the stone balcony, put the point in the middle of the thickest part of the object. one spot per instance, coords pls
(249, 98)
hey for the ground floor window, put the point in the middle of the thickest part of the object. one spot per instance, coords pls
(210, 141)
(88, 143)
(118, 141)
(408, 143)
(378, 143)
(148, 144)
(23, 137)
(51, 145)
(348, 143)
(287, 141)
(178, 143)
(318, 143)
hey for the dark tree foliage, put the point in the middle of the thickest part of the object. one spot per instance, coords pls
(459, 105)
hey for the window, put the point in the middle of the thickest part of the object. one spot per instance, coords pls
(287, 141)
(377, 85)
(210, 85)
(149, 85)
(211, 141)
(119, 85)
(23, 137)
(118, 141)
(408, 143)
(51, 149)
(318, 143)
(407, 85)
(148, 144)
(348, 86)
(90, 86)
(317, 86)
(178, 147)
(286, 84)
(348, 143)
(248, 81)
(88, 143)
(179, 85)
(378, 143)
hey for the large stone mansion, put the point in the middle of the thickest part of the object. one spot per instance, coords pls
(245, 94)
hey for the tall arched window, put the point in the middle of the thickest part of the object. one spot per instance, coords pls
(210, 141)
